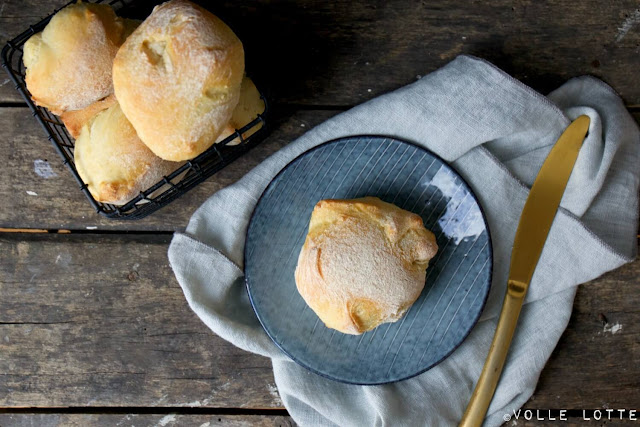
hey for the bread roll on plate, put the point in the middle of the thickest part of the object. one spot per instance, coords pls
(68, 64)
(363, 263)
(177, 79)
(113, 162)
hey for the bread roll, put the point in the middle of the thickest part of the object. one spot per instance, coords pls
(68, 64)
(363, 263)
(249, 106)
(177, 79)
(113, 162)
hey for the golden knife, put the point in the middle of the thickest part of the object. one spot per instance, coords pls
(535, 221)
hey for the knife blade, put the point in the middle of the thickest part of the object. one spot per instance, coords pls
(533, 228)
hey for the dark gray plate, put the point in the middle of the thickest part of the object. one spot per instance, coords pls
(458, 277)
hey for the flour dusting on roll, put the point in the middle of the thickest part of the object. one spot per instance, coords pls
(177, 79)
(68, 64)
(363, 263)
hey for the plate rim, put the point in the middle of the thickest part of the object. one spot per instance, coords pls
(333, 141)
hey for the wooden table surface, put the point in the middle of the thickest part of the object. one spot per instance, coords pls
(94, 328)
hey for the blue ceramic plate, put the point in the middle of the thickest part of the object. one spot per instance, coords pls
(458, 277)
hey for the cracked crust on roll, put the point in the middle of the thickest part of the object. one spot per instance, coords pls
(363, 263)
(74, 121)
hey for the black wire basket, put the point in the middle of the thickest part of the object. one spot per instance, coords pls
(171, 186)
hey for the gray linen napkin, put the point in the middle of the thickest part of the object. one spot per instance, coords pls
(496, 132)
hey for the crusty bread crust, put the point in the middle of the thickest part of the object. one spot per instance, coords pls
(177, 79)
(68, 64)
(113, 162)
(75, 120)
(249, 106)
(363, 263)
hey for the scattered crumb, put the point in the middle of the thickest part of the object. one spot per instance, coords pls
(273, 391)
(166, 420)
(63, 260)
(614, 329)
(464, 37)
(632, 20)
(43, 169)
(32, 193)
(91, 227)
(125, 419)
(302, 125)
(368, 90)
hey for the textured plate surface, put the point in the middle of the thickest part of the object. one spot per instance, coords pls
(458, 277)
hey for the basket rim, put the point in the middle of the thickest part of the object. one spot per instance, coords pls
(193, 171)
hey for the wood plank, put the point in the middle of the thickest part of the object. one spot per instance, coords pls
(174, 420)
(101, 321)
(596, 364)
(33, 201)
(52, 200)
(142, 420)
(344, 52)
(78, 331)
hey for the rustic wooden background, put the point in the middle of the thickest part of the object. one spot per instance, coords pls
(94, 328)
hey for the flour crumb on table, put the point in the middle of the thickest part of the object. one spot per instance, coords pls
(614, 329)
(166, 420)
(43, 169)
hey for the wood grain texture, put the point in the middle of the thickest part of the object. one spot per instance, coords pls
(142, 420)
(100, 321)
(55, 202)
(344, 52)
(91, 320)
(596, 364)
(39, 191)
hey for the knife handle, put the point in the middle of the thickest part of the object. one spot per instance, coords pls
(486, 386)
